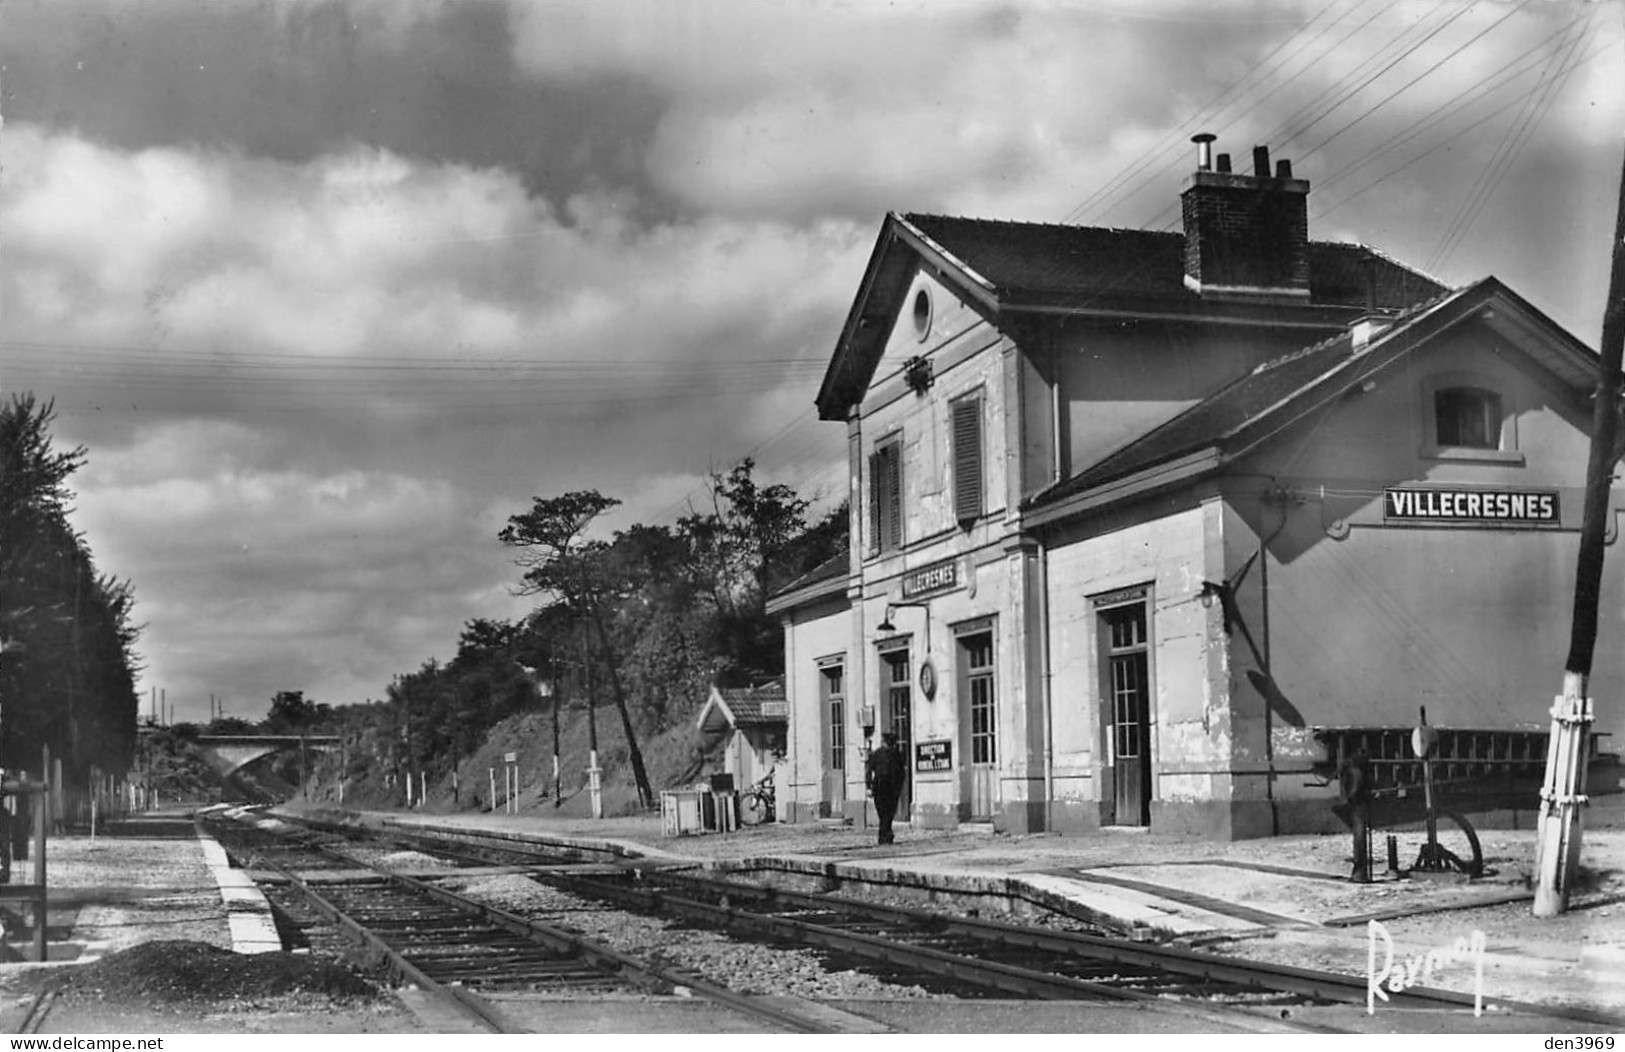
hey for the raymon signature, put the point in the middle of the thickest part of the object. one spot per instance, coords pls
(1418, 968)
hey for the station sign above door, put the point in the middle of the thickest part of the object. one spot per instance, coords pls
(938, 577)
(1472, 507)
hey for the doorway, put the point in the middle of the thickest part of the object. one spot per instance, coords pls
(1126, 710)
(979, 720)
(897, 717)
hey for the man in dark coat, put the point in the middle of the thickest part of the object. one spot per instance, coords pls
(884, 777)
(1354, 784)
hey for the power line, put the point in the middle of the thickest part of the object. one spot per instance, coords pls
(1558, 68)
(1261, 71)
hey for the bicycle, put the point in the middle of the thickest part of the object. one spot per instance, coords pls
(757, 804)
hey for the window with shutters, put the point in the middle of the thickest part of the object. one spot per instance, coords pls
(886, 496)
(966, 426)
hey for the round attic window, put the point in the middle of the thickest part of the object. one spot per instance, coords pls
(922, 313)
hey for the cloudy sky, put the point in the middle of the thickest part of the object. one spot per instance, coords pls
(330, 288)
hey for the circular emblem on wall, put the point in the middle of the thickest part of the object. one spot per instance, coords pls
(928, 679)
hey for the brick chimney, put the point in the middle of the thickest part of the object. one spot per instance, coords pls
(1246, 235)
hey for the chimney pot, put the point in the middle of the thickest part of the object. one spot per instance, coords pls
(1283, 169)
(1224, 162)
(1204, 150)
(1261, 162)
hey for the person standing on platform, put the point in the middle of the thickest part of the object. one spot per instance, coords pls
(884, 777)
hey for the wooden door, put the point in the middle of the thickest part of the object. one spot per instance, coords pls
(979, 717)
(833, 690)
(1127, 713)
(898, 718)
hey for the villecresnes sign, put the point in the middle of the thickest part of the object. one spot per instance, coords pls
(938, 577)
(1479, 507)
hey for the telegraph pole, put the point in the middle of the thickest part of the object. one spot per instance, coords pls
(1557, 845)
(595, 774)
(557, 699)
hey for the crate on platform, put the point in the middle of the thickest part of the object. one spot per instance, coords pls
(692, 811)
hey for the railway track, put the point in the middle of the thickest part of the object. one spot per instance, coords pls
(978, 957)
(965, 956)
(456, 949)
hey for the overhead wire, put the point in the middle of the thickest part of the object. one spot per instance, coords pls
(1262, 70)
(1490, 177)
(1391, 96)
(1508, 73)
(1350, 85)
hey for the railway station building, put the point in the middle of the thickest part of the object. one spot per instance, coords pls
(1157, 528)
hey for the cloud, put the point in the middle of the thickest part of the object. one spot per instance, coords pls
(349, 281)
(373, 281)
(314, 390)
(255, 579)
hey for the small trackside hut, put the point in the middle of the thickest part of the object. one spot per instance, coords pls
(1155, 529)
(748, 725)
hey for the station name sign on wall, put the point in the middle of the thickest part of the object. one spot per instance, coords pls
(938, 577)
(1491, 507)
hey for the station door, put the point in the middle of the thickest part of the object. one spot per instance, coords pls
(1126, 698)
(979, 717)
(898, 718)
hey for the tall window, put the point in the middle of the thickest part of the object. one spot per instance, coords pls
(886, 497)
(1467, 417)
(977, 653)
(966, 427)
(1128, 678)
(835, 707)
(899, 698)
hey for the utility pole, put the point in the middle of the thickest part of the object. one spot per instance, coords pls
(557, 699)
(1557, 844)
(595, 775)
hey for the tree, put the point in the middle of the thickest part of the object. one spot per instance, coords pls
(292, 713)
(586, 578)
(67, 675)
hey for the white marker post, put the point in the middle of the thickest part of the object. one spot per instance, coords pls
(595, 784)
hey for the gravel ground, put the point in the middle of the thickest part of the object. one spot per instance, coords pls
(1575, 959)
(744, 966)
(128, 891)
(120, 892)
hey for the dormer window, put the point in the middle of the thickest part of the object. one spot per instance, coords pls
(1467, 417)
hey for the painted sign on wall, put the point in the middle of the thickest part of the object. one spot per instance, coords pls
(1488, 507)
(938, 577)
(934, 756)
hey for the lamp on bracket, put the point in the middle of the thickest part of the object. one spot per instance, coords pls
(928, 671)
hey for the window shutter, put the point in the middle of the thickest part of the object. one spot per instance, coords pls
(875, 491)
(967, 457)
(892, 496)
(885, 498)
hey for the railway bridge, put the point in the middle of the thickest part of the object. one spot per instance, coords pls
(229, 753)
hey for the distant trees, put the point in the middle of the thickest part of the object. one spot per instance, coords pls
(589, 580)
(647, 617)
(67, 671)
(290, 713)
(665, 611)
